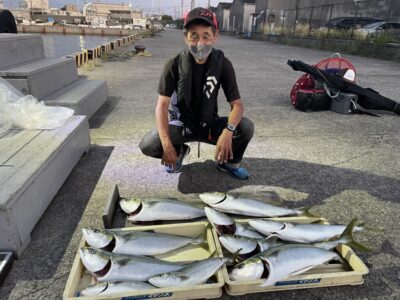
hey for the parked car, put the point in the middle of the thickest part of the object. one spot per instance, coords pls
(378, 27)
(350, 22)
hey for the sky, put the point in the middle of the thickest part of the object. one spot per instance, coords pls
(168, 7)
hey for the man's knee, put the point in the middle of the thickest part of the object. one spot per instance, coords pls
(246, 128)
(150, 143)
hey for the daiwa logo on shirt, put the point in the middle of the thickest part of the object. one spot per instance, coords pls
(210, 85)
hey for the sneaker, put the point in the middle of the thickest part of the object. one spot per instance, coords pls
(239, 173)
(185, 150)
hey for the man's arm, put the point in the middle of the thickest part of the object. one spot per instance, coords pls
(169, 155)
(223, 151)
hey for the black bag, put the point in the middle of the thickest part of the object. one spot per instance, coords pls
(344, 103)
(312, 100)
(367, 98)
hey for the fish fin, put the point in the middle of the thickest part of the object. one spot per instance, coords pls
(236, 256)
(201, 239)
(359, 246)
(302, 270)
(305, 211)
(272, 238)
(348, 233)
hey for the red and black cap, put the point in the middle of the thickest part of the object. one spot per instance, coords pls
(200, 13)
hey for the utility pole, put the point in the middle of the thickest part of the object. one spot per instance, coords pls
(209, 5)
(181, 9)
(192, 4)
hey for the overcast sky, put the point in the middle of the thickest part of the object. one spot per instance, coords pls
(169, 7)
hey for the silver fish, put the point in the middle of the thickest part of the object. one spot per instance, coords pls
(238, 244)
(223, 224)
(281, 262)
(246, 247)
(299, 233)
(159, 209)
(136, 242)
(245, 206)
(249, 246)
(196, 273)
(270, 242)
(111, 288)
(247, 231)
(108, 266)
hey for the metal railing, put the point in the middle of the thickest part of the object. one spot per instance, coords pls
(339, 20)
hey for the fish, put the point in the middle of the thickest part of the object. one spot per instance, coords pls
(245, 206)
(107, 266)
(159, 209)
(278, 263)
(247, 231)
(136, 242)
(224, 224)
(111, 288)
(245, 247)
(300, 233)
(196, 273)
(242, 246)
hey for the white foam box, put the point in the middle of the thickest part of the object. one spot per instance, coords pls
(80, 278)
(350, 272)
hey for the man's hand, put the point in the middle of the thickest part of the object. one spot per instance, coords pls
(169, 156)
(223, 151)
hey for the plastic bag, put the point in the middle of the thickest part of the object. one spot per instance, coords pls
(5, 126)
(27, 112)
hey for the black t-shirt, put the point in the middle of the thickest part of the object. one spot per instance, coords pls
(170, 77)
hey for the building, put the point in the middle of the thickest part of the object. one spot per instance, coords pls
(101, 14)
(37, 5)
(70, 8)
(240, 17)
(222, 13)
(97, 14)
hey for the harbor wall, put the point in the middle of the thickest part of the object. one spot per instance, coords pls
(74, 30)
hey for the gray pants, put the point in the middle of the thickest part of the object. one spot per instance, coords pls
(151, 143)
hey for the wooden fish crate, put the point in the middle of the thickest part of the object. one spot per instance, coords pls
(80, 278)
(348, 273)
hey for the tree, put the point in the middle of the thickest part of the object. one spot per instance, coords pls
(166, 18)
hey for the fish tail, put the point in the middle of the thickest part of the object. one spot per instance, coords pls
(348, 235)
(236, 256)
(202, 237)
(305, 211)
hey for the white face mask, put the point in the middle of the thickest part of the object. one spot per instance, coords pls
(200, 52)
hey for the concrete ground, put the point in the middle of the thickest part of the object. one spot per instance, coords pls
(344, 166)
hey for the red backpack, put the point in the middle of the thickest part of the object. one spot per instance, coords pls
(310, 94)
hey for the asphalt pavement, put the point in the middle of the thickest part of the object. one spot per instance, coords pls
(342, 166)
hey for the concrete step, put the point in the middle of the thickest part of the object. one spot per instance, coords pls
(16, 49)
(84, 96)
(41, 77)
(33, 166)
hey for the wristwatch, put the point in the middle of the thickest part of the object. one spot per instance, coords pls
(230, 127)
